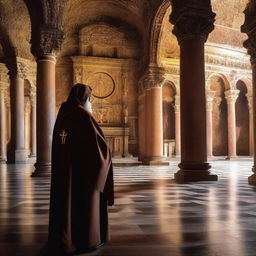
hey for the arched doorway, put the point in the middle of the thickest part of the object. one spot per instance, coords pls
(242, 120)
(169, 92)
(219, 117)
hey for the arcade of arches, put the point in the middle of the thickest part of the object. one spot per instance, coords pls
(154, 96)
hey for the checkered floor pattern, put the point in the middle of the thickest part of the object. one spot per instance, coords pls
(152, 215)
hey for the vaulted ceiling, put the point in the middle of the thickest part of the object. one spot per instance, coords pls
(16, 16)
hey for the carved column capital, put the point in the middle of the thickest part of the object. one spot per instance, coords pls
(209, 99)
(249, 27)
(47, 41)
(250, 101)
(153, 78)
(231, 96)
(192, 18)
(17, 68)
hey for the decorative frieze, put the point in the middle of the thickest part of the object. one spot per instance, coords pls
(226, 61)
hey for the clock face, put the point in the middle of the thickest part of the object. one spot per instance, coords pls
(102, 85)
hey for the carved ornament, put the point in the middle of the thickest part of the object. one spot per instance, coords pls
(192, 19)
(249, 27)
(154, 77)
(47, 41)
(231, 96)
(17, 68)
(103, 85)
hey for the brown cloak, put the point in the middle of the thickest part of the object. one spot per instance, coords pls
(81, 183)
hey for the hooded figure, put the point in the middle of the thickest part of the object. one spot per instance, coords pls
(82, 179)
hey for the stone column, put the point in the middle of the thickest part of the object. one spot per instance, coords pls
(154, 123)
(3, 87)
(249, 28)
(45, 47)
(209, 104)
(141, 122)
(177, 125)
(33, 122)
(17, 153)
(45, 113)
(231, 96)
(8, 119)
(27, 125)
(191, 27)
(250, 104)
(148, 128)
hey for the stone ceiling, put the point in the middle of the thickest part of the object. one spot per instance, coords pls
(15, 26)
(229, 18)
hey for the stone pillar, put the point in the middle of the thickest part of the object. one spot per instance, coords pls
(250, 104)
(27, 125)
(141, 122)
(249, 28)
(209, 104)
(45, 113)
(33, 123)
(45, 45)
(17, 152)
(177, 125)
(191, 27)
(153, 81)
(148, 128)
(3, 87)
(8, 119)
(231, 96)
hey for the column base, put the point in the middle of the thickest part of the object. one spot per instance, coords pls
(230, 157)
(18, 156)
(183, 176)
(252, 178)
(155, 161)
(192, 172)
(3, 160)
(127, 155)
(42, 170)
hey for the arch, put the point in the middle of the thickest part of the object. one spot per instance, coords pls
(226, 83)
(247, 82)
(156, 30)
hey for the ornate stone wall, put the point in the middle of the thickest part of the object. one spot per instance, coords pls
(113, 83)
(103, 40)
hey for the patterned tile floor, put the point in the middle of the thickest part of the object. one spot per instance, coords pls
(152, 214)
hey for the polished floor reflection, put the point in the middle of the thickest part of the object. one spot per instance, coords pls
(152, 216)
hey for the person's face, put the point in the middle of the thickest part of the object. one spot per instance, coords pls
(88, 105)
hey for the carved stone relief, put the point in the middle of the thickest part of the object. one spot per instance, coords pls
(102, 84)
(103, 40)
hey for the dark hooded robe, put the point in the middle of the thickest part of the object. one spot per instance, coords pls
(81, 179)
